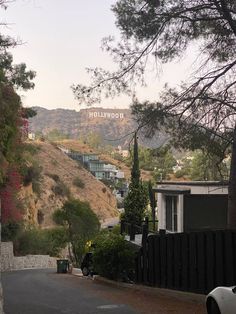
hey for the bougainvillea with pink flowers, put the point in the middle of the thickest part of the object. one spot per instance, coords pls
(13, 128)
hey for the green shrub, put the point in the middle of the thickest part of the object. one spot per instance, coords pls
(117, 156)
(120, 203)
(61, 189)
(78, 182)
(10, 230)
(33, 174)
(54, 162)
(37, 241)
(32, 149)
(57, 239)
(116, 229)
(79, 164)
(40, 217)
(108, 183)
(113, 256)
(55, 177)
(180, 173)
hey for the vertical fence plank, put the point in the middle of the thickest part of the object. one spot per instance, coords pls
(169, 257)
(192, 262)
(157, 261)
(229, 260)
(145, 266)
(219, 258)
(201, 263)
(185, 261)
(177, 261)
(234, 252)
(151, 270)
(210, 261)
(163, 260)
(137, 270)
(140, 266)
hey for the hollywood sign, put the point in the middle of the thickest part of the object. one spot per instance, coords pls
(106, 115)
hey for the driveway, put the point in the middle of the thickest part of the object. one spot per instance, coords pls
(46, 292)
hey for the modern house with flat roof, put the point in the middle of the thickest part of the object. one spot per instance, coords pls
(191, 206)
(83, 158)
(103, 170)
(100, 169)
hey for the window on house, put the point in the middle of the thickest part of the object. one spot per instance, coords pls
(171, 213)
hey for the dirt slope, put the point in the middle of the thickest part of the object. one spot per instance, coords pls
(59, 169)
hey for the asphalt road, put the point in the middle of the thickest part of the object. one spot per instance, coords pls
(46, 292)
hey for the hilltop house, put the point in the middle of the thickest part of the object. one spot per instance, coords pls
(83, 158)
(100, 169)
(103, 170)
(191, 206)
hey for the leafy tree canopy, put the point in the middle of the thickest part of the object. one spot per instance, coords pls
(80, 221)
(13, 126)
(162, 30)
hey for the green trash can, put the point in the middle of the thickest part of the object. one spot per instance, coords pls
(62, 266)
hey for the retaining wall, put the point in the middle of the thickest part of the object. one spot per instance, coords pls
(10, 262)
(1, 295)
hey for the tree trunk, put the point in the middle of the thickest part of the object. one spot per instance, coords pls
(231, 222)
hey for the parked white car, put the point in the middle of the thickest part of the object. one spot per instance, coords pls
(221, 300)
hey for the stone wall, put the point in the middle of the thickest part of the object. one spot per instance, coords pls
(10, 262)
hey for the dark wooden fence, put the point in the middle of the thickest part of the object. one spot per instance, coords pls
(195, 262)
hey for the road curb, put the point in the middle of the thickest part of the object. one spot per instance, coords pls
(160, 292)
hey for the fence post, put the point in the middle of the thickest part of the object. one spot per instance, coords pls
(144, 234)
(163, 258)
(162, 232)
(132, 232)
(147, 223)
(121, 226)
(145, 257)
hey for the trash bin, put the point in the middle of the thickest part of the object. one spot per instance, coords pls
(62, 266)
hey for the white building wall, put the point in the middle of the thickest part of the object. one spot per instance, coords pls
(161, 211)
(208, 189)
(180, 213)
(194, 189)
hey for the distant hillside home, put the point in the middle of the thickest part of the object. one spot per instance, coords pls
(64, 150)
(31, 136)
(191, 206)
(84, 158)
(102, 170)
(123, 152)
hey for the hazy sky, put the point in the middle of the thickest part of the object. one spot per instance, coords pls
(63, 37)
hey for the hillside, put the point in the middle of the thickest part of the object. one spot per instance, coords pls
(57, 176)
(113, 125)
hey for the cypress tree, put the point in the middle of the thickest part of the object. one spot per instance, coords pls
(135, 172)
(137, 199)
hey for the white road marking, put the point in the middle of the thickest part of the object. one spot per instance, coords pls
(109, 306)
